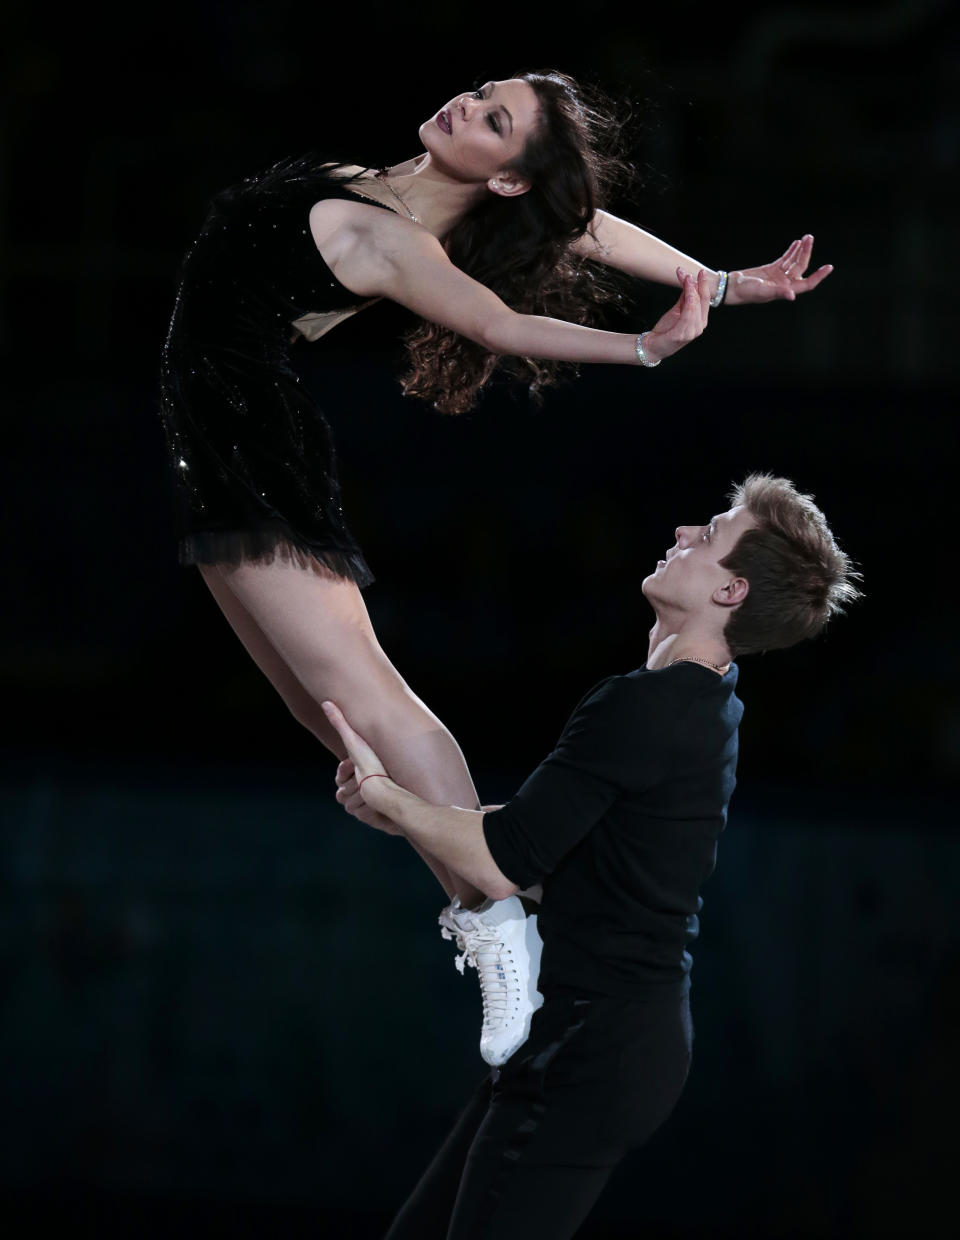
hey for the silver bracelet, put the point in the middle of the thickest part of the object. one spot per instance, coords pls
(642, 353)
(721, 292)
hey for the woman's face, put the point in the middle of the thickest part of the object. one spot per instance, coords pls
(479, 134)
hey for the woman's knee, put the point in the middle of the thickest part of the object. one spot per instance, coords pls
(308, 714)
(366, 686)
(372, 695)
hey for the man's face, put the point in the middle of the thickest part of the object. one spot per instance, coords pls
(691, 577)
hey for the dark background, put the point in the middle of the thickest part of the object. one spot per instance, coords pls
(224, 1005)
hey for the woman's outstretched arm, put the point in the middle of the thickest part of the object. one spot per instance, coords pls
(374, 253)
(630, 249)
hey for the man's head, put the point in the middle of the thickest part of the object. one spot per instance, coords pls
(762, 576)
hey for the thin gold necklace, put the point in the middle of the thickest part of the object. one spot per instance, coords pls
(382, 178)
(722, 668)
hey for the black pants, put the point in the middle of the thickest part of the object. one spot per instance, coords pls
(532, 1151)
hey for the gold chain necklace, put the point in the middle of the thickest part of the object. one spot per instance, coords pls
(382, 178)
(692, 658)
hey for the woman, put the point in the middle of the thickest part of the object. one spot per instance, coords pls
(486, 236)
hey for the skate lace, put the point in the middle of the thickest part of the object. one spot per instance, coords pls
(484, 950)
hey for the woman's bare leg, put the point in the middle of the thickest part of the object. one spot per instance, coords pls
(312, 637)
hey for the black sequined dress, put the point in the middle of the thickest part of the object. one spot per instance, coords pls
(252, 453)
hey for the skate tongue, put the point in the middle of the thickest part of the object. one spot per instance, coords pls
(496, 912)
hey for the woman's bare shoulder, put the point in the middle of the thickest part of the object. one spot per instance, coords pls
(331, 216)
(366, 246)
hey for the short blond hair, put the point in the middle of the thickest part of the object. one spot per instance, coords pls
(797, 574)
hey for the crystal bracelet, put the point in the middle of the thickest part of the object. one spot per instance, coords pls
(717, 298)
(642, 353)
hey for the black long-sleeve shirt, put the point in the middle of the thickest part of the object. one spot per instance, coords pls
(620, 823)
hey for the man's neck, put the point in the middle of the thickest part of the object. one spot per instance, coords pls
(671, 643)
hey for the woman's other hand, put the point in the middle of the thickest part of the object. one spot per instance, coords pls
(684, 321)
(782, 280)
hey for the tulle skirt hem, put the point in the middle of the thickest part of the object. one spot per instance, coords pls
(267, 544)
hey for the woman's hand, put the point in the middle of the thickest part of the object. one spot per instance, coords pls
(782, 280)
(364, 783)
(684, 321)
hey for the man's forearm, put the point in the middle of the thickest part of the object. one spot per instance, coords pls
(453, 835)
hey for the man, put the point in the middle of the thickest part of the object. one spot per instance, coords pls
(620, 825)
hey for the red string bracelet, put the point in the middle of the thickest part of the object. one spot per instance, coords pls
(375, 775)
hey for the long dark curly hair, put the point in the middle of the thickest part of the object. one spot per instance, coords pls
(520, 247)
